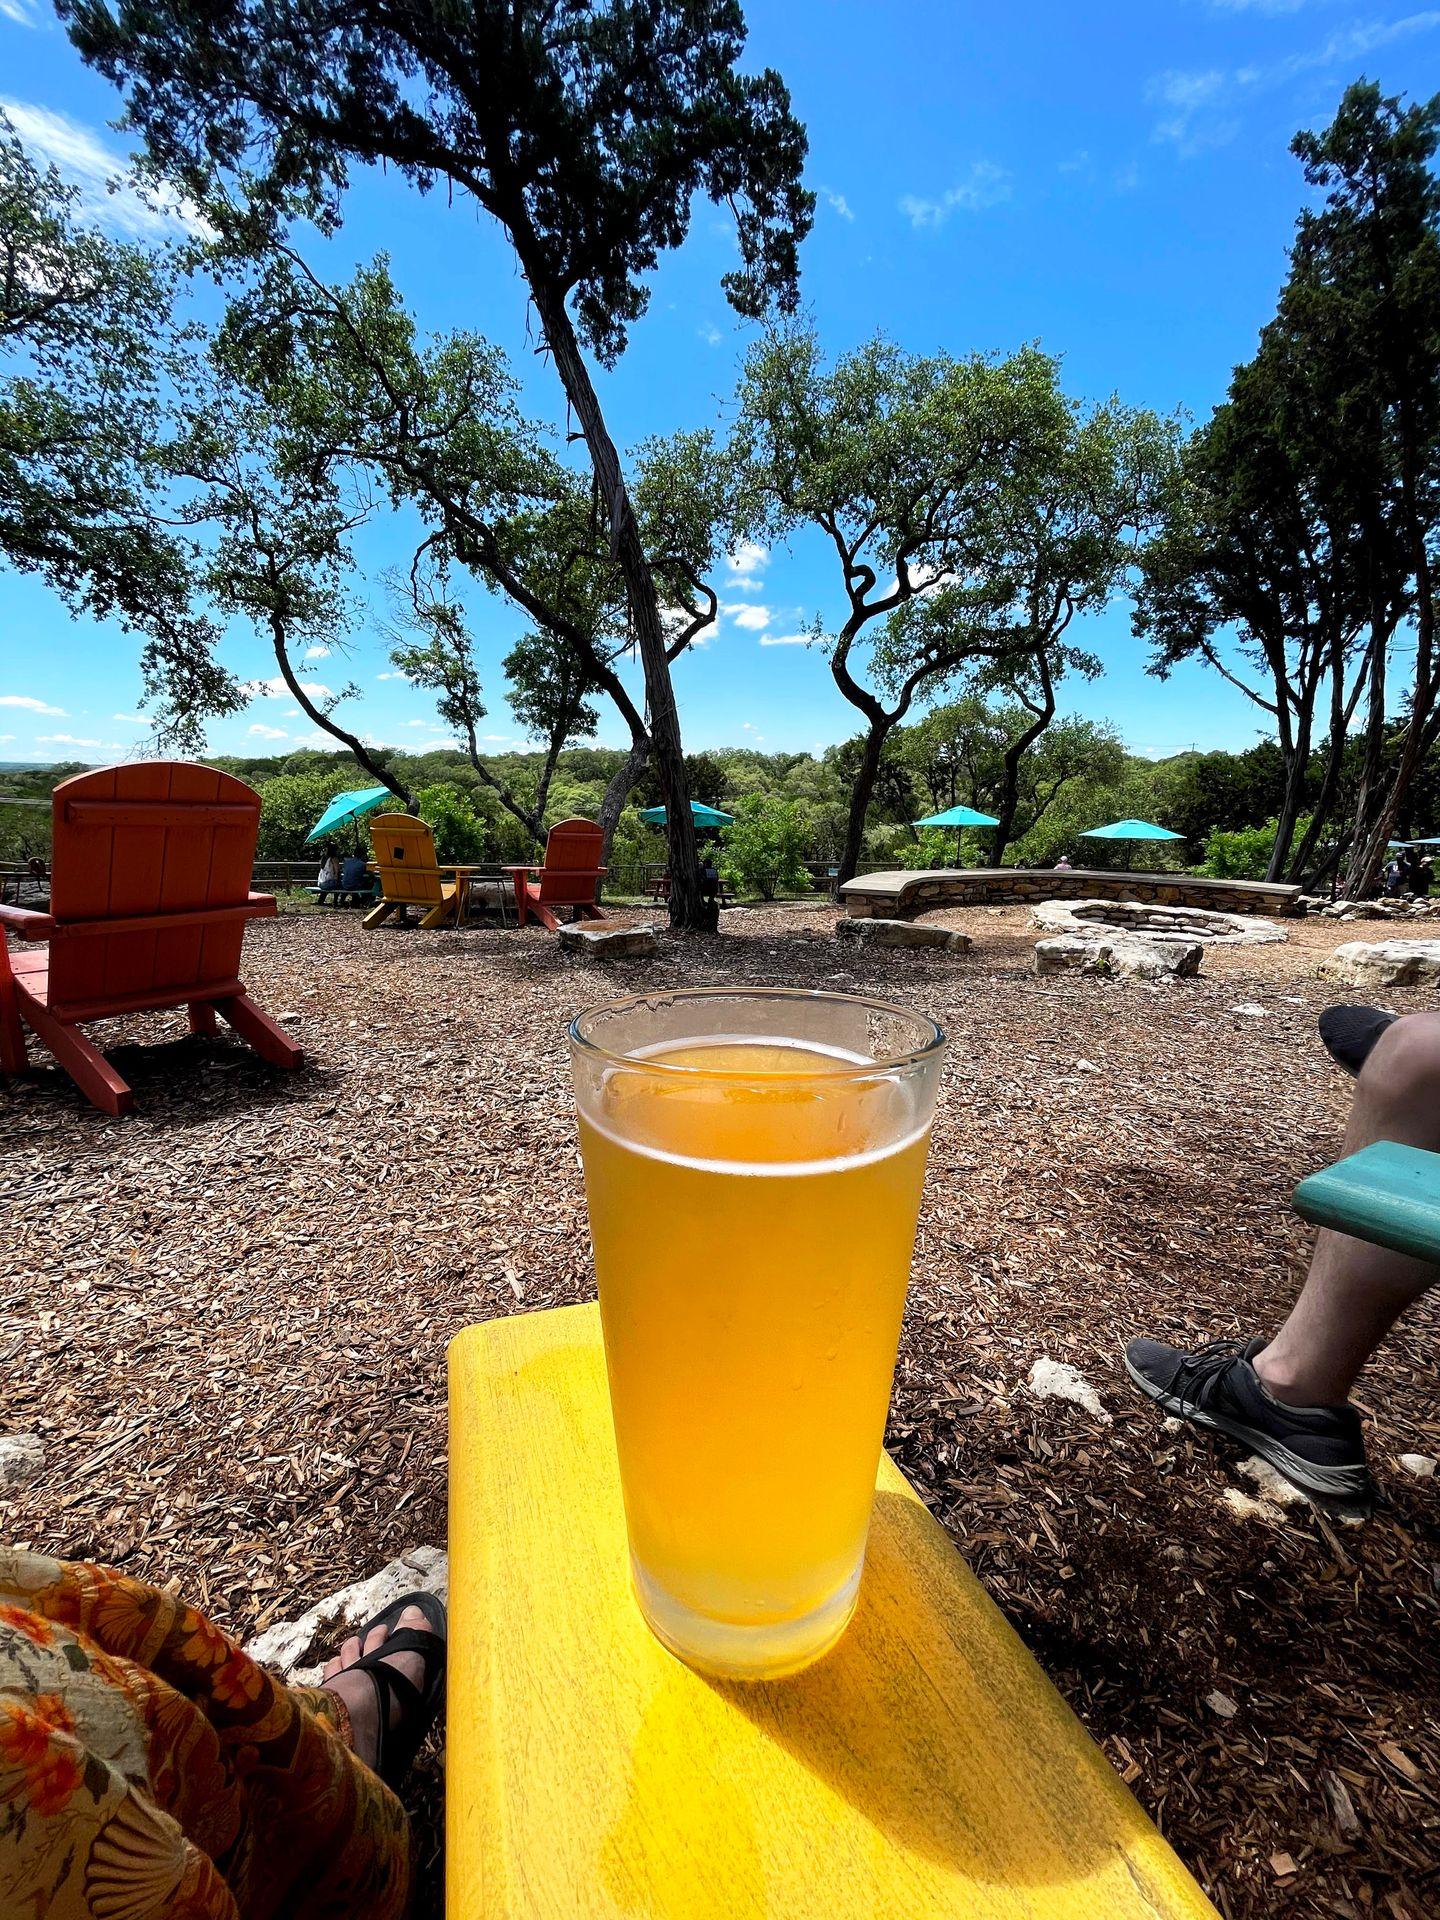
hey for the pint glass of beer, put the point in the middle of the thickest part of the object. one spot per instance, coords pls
(753, 1165)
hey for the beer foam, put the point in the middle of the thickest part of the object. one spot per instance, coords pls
(762, 1169)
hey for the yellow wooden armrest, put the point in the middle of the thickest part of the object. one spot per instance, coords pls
(926, 1767)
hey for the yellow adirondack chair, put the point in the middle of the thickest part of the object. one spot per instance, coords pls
(924, 1770)
(404, 850)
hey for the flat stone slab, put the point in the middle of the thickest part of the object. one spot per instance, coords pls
(610, 943)
(1123, 956)
(1384, 963)
(906, 892)
(902, 933)
(316, 1634)
(1093, 918)
(22, 1456)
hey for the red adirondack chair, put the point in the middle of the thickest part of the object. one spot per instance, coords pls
(570, 876)
(149, 895)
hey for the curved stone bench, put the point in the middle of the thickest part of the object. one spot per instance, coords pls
(900, 895)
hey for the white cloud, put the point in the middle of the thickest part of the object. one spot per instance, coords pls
(1127, 178)
(19, 11)
(131, 719)
(753, 617)
(1196, 108)
(1200, 107)
(1257, 6)
(6, 738)
(838, 203)
(276, 689)
(71, 740)
(317, 653)
(1077, 162)
(747, 726)
(269, 733)
(786, 639)
(421, 723)
(986, 185)
(710, 334)
(389, 676)
(745, 566)
(30, 705)
(110, 196)
(1351, 43)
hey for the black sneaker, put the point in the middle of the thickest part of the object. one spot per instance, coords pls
(1350, 1033)
(1321, 1450)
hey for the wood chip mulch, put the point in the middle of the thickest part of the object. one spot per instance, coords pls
(227, 1319)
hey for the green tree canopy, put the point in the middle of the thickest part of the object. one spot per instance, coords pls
(586, 130)
(84, 345)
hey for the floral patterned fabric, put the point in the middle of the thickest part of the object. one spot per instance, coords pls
(150, 1771)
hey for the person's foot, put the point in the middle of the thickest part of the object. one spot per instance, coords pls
(1350, 1033)
(358, 1690)
(1321, 1450)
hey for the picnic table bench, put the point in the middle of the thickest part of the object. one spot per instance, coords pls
(659, 889)
(925, 1767)
(1385, 1193)
(363, 896)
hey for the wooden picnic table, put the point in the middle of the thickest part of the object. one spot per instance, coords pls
(925, 1768)
(659, 889)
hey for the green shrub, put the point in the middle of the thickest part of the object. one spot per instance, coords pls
(459, 831)
(290, 804)
(1243, 853)
(764, 850)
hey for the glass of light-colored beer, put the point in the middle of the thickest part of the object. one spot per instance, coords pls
(754, 1159)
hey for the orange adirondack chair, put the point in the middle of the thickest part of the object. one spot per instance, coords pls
(569, 878)
(149, 896)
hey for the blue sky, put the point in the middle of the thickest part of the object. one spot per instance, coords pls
(1112, 181)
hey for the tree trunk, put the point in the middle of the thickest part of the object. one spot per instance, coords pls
(860, 793)
(1009, 799)
(686, 906)
(1370, 768)
(1296, 767)
(322, 720)
(618, 791)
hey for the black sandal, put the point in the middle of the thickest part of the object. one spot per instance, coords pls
(397, 1746)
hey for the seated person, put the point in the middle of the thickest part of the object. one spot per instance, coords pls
(149, 1767)
(329, 880)
(1287, 1398)
(356, 882)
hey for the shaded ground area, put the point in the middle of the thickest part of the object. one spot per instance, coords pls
(227, 1317)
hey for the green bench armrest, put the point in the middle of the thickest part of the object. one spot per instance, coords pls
(1386, 1193)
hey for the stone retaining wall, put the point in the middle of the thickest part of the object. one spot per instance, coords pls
(901, 895)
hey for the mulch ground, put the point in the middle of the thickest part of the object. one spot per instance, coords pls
(227, 1318)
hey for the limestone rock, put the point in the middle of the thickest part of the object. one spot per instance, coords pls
(1055, 1380)
(1093, 919)
(902, 933)
(1422, 1465)
(22, 1456)
(1122, 955)
(316, 1634)
(609, 943)
(1384, 963)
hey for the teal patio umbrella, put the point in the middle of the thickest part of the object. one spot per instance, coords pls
(1131, 830)
(348, 807)
(959, 818)
(704, 816)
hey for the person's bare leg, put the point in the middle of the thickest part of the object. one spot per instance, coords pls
(1356, 1292)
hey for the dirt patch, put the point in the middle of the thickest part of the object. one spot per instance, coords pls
(226, 1318)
